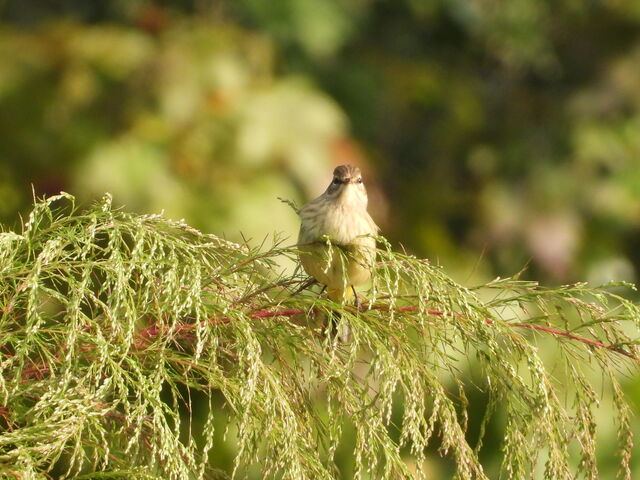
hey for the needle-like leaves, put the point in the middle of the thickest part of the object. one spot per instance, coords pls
(110, 323)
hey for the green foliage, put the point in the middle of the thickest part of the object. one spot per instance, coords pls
(510, 127)
(113, 323)
(194, 115)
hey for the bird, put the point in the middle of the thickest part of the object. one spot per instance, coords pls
(337, 238)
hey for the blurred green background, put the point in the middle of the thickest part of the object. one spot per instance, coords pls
(493, 135)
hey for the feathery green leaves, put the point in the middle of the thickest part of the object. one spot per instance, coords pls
(112, 323)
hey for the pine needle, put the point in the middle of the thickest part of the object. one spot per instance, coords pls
(112, 323)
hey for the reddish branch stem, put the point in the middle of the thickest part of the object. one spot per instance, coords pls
(561, 333)
(38, 371)
(152, 330)
(541, 328)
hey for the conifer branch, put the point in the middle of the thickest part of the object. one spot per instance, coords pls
(152, 331)
(111, 324)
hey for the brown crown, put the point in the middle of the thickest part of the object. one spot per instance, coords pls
(344, 172)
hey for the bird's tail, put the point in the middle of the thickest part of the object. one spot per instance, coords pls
(340, 295)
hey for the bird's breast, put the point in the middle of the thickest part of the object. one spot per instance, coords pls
(344, 224)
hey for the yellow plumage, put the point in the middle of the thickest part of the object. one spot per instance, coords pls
(337, 235)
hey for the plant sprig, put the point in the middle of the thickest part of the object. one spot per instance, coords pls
(111, 323)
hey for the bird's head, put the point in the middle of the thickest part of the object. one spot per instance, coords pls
(347, 185)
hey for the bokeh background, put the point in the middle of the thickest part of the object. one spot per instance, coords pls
(493, 135)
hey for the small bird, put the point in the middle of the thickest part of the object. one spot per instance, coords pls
(337, 242)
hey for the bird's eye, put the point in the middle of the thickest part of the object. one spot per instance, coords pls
(359, 180)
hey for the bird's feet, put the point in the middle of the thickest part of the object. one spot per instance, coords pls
(356, 299)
